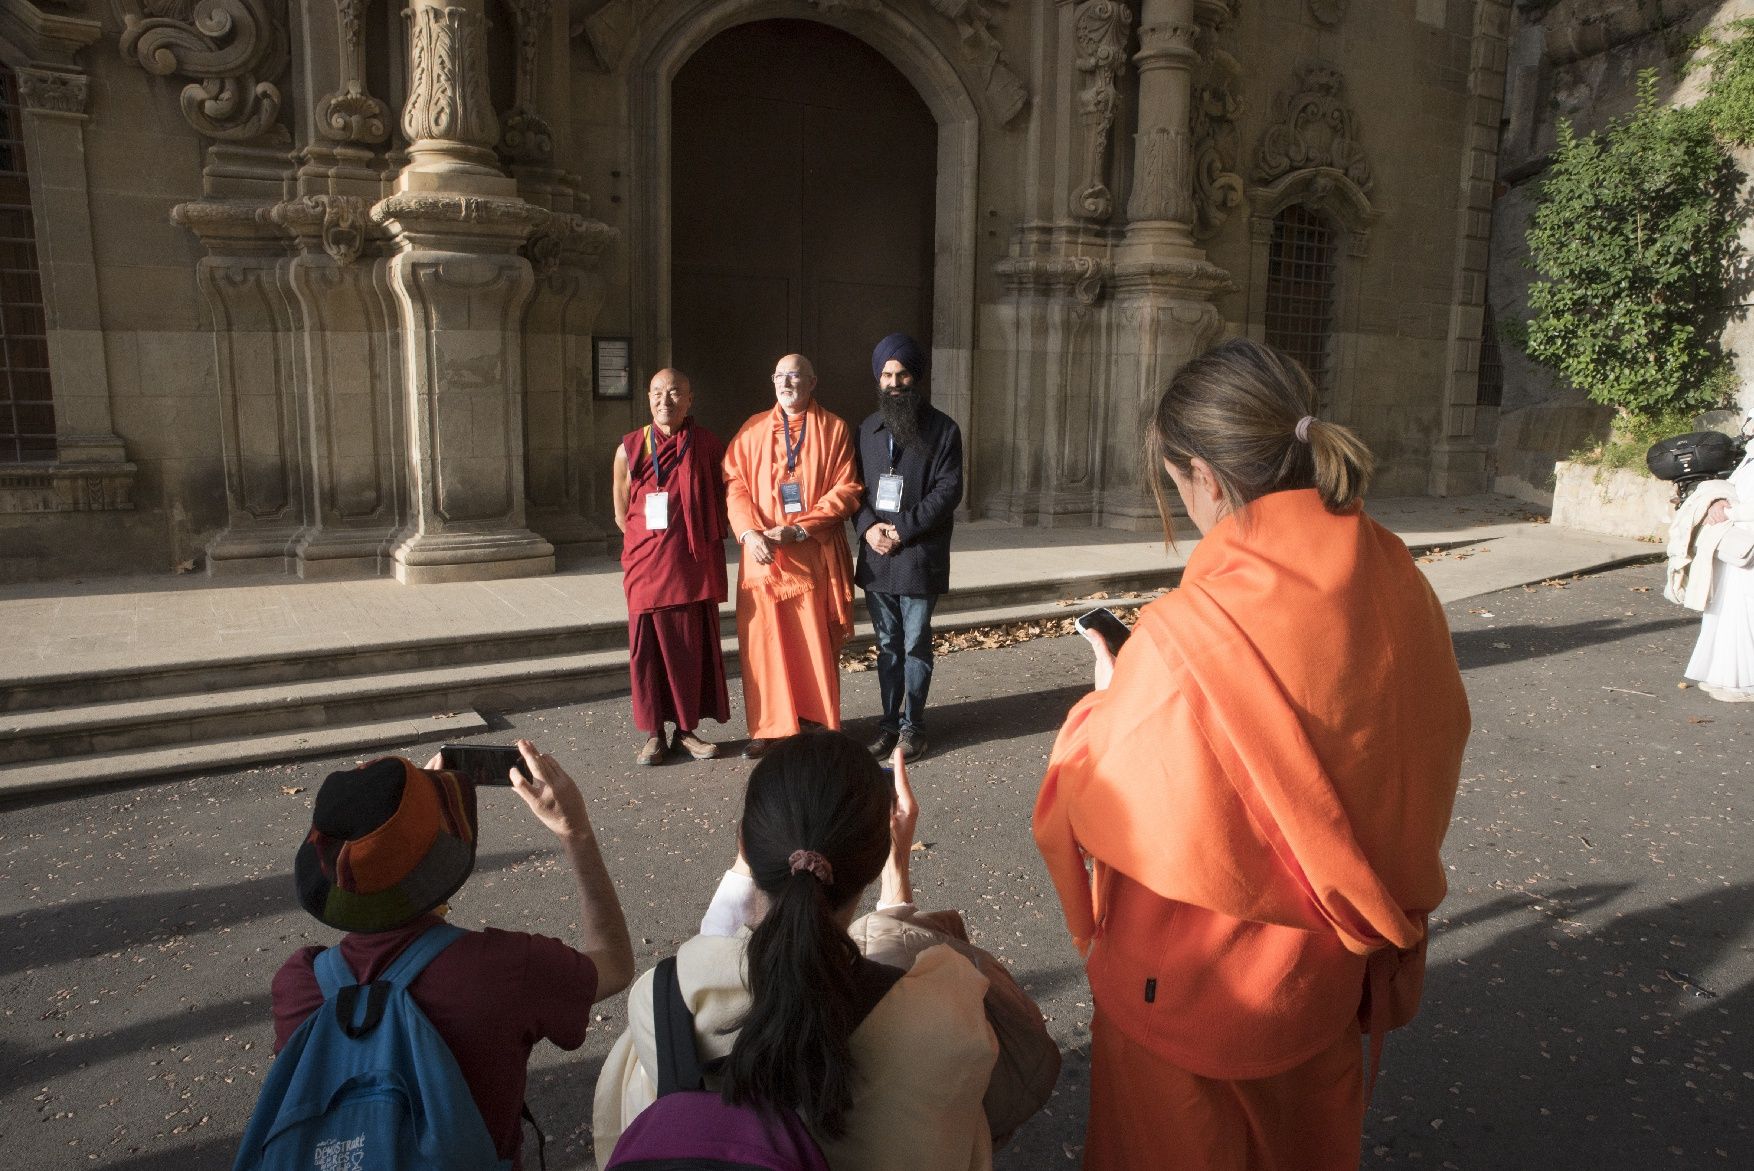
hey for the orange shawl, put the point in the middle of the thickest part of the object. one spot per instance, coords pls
(755, 465)
(1281, 743)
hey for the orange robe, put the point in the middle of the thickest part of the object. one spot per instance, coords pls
(1262, 792)
(793, 615)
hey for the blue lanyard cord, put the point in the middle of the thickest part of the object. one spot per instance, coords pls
(792, 450)
(652, 453)
(892, 451)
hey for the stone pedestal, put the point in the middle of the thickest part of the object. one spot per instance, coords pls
(461, 287)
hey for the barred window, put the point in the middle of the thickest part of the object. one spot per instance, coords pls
(1490, 392)
(27, 412)
(1301, 276)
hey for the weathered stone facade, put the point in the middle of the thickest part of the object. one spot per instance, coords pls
(323, 279)
(1578, 61)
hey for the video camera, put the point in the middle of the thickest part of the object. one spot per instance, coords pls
(1689, 460)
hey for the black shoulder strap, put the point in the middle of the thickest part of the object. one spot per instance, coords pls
(871, 982)
(678, 1062)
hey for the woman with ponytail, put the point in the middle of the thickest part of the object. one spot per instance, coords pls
(1242, 821)
(887, 1065)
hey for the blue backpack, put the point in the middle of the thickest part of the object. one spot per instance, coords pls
(366, 1082)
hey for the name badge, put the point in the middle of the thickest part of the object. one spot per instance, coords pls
(888, 493)
(657, 510)
(791, 497)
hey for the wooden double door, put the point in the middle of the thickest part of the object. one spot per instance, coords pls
(804, 172)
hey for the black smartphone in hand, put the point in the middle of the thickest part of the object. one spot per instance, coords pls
(483, 764)
(1114, 632)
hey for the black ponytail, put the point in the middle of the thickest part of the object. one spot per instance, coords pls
(820, 792)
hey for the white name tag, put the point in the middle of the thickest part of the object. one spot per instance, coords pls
(657, 510)
(791, 497)
(888, 493)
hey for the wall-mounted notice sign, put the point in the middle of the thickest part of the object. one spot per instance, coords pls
(611, 361)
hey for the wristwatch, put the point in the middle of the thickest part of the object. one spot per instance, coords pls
(801, 533)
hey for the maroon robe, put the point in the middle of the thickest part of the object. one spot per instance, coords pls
(675, 579)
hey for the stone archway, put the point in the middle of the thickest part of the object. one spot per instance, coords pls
(803, 184)
(667, 45)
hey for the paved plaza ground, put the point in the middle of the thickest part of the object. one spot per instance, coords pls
(1588, 1004)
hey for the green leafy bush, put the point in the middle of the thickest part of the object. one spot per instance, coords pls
(1634, 237)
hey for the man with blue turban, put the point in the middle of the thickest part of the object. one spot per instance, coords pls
(910, 461)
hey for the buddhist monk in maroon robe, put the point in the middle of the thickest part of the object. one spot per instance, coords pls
(670, 507)
(790, 485)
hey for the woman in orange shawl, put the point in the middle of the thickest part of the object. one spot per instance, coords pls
(1260, 784)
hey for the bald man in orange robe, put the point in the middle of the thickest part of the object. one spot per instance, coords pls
(790, 485)
(1260, 794)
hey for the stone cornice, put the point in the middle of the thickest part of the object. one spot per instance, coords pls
(47, 38)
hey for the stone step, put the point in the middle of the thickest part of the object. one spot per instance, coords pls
(116, 730)
(76, 773)
(213, 675)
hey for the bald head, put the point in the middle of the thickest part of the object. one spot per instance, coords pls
(794, 383)
(671, 398)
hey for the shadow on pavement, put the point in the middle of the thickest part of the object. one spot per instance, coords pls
(1480, 647)
(49, 935)
(1612, 1047)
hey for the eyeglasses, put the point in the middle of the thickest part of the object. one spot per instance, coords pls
(789, 376)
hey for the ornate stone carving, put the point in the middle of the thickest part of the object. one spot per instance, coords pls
(439, 207)
(1102, 28)
(232, 48)
(339, 221)
(353, 116)
(1313, 127)
(1160, 188)
(1083, 276)
(526, 137)
(351, 13)
(1004, 92)
(1328, 12)
(563, 237)
(60, 93)
(1217, 186)
(448, 98)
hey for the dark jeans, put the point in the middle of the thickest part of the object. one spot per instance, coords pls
(903, 624)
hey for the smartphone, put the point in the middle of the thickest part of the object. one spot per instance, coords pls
(483, 764)
(1114, 632)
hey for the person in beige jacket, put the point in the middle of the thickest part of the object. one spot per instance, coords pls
(899, 1083)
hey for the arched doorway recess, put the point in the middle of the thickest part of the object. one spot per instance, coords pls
(803, 183)
(666, 47)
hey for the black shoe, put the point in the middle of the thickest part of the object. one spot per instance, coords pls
(755, 748)
(883, 745)
(913, 745)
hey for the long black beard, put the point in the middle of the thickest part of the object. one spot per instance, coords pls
(901, 414)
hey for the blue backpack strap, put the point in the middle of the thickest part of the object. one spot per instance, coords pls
(333, 974)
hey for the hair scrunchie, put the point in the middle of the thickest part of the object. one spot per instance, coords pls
(1302, 429)
(814, 863)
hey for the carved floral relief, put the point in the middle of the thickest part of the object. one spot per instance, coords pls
(448, 96)
(1101, 28)
(1313, 127)
(1216, 104)
(232, 49)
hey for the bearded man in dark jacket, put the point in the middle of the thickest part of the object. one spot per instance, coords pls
(909, 457)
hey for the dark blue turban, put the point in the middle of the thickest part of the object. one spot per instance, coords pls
(905, 350)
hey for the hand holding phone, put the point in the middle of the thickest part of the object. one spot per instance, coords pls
(483, 764)
(1103, 622)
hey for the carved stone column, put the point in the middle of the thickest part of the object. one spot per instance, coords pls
(348, 124)
(252, 318)
(449, 118)
(461, 288)
(559, 459)
(348, 379)
(1160, 212)
(1163, 282)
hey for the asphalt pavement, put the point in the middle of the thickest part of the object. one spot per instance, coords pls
(1587, 1005)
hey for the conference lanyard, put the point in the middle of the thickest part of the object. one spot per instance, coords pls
(792, 449)
(652, 454)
